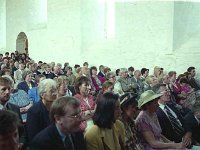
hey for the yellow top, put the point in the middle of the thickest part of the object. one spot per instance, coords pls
(98, 138)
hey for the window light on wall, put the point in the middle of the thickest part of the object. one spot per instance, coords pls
(110, 18)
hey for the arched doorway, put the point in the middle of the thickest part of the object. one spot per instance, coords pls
(22, 43)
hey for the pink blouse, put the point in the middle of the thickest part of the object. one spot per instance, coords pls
(85, 105)
(90, 105)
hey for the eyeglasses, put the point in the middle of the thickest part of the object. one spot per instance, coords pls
(75, 116)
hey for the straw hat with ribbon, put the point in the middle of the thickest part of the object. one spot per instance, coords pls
(146, 97)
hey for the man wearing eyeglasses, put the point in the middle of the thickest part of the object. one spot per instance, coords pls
(170, 119)
(64, 132)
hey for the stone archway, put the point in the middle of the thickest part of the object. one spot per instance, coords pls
(22, 43)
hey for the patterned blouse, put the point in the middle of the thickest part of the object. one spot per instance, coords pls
(85, 105)
(132, 142)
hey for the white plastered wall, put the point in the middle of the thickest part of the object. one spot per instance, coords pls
(147, 33)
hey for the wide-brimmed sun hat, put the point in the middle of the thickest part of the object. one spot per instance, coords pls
(147, 96)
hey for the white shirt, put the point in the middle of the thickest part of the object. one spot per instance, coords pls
(1, 107)
(162, 106)
(197, 120)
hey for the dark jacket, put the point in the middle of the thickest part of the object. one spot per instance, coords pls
(49, 139)
(15, 108)
(101, 74)
(191, 125)
(37, 119)
(193, 83)
(167, 129)
(24, 86)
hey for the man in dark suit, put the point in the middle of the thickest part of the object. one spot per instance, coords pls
(14, 68)
(101, 71)
(192, 124)
(64, 133)
(170, 119)
(5, 90)
(130, 72)
(193, 82)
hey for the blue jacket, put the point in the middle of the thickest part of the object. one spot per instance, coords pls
(24, 86)
(34, 95)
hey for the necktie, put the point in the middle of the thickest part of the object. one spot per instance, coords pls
(178, 129)
(68, 143)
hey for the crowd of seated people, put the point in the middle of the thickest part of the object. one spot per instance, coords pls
(80, 108)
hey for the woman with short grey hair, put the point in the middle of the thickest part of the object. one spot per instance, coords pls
(38, 114)
(45, 85)
(111, 76)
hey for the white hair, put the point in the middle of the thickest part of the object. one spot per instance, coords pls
(123, 70)
(45, 84)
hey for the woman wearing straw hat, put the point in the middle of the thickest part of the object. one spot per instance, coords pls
(148, 125)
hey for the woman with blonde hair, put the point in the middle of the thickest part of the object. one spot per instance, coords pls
(62, 85)
(150, 82)
(158, 73)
